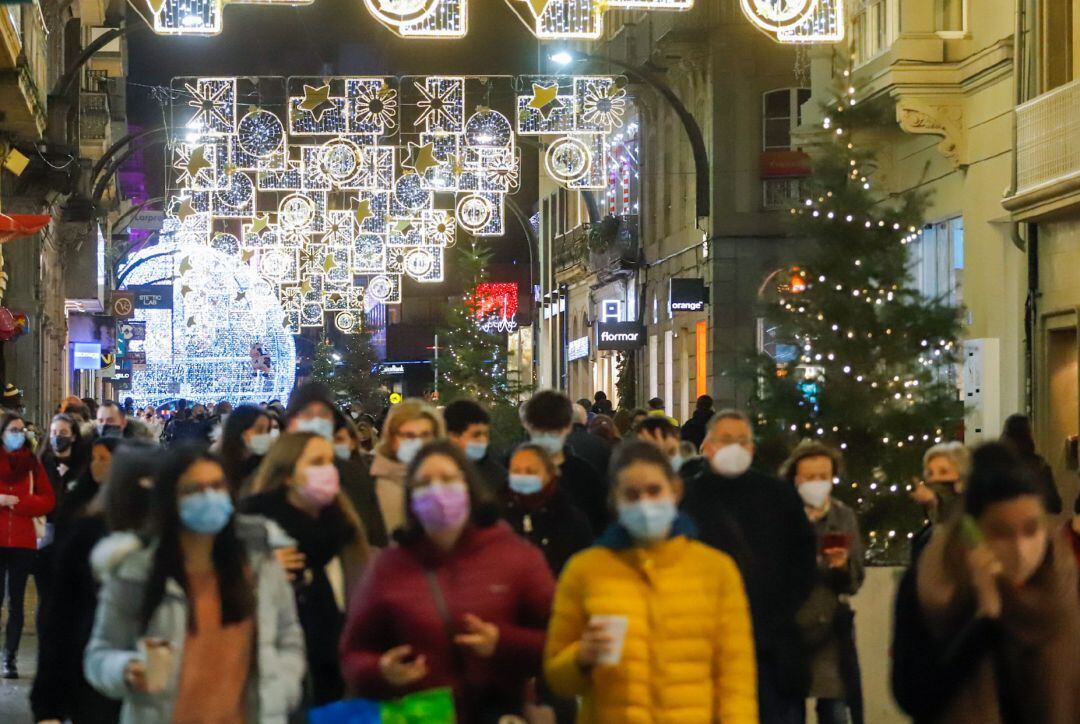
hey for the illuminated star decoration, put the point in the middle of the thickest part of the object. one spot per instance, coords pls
(403, 227)
(316, 100)
(457, 166)
(259, 224)
(329, 264)
(212, 105)
(186, 210)
(434, 106)
(421, 158)
(185, 266)
(538, 7)
(363, 211)
(545, 99)
(197, 162)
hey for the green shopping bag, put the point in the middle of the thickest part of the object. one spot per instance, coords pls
(426, 707)
(435, 706)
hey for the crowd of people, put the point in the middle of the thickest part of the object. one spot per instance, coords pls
(249, 564)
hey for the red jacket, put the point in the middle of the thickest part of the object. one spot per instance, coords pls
(17, 524)
(492, 574)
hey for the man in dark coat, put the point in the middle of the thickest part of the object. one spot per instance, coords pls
(548, 418)
(694, 429)
(760, 522)
(584, 444)
(468, 426)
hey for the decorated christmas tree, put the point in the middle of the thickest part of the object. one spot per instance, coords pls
(472, 361)
(323, 363)
(856, 356)
(357, 379)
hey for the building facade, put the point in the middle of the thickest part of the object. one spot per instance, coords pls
(61, 111)
(615, 262)
(1043, 207)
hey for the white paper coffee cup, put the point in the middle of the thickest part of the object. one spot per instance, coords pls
(158, 656)
(615, 626)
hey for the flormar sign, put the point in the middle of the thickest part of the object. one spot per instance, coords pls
(687, 295)
(621, 336)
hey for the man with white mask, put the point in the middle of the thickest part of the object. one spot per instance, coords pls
(760, 521)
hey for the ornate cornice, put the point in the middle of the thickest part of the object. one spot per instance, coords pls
(938, 116)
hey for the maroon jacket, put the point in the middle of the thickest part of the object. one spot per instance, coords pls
(17, 524)
(492, 574)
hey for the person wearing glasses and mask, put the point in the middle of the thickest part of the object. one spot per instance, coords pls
(760, 521)
(409, 426)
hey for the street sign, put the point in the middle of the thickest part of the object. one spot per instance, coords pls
(148, 220)
(155, 296)
(122, 304)
(622, 336)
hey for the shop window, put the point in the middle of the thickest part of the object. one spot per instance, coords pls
(938, 260)
(781, 113)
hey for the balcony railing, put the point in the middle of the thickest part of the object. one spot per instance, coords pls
(571, 248)
(1048, 138)
(93, 116)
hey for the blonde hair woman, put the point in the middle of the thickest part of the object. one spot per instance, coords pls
(945, 468)
(298, 487)
(409, 426)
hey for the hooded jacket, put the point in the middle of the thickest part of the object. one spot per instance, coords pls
(275, 685)
(491, 574)
(23, 475)
(688, 655)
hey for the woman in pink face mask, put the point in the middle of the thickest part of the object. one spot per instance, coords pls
(460, 602)
(322, 545)
(988, 619)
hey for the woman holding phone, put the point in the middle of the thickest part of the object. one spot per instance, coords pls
(200, 625)
(605, 645)
(460, 602)
(987, 622)
(826, 620)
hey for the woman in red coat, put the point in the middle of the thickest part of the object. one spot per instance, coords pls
(25, 494)
(461, 602)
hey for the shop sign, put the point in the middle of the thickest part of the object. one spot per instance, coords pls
(621, 336)
(687, 295)
(577, 349)
(154, 296)
(392, 369)
(87, 356)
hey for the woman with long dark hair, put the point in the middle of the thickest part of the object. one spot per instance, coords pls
(25, 494)
(245, 440)
(209, 605)
(120, 506)
(299, 488)
(1019, 438)
(461, 601)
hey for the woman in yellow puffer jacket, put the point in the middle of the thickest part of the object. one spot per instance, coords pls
(688, 652)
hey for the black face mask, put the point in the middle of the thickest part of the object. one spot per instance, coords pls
(62, 443)
(110, 431)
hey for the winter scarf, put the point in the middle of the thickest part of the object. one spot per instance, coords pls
(1031, 672)
(15, 466)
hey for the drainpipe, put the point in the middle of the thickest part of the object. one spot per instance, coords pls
(1031, 245)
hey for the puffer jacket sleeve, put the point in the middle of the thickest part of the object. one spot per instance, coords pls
(291, 659)
(42, 500)
(366, 635)
(734, 668)
(112, 643)
(521, 644)
(568, 620)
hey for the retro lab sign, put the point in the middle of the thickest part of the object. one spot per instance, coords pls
(687, 295)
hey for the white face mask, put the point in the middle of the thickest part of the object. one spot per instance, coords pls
(731, 461)
(814, 493)
(260, 444)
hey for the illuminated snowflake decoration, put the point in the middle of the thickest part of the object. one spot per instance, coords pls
(797, 21)
(351, 184)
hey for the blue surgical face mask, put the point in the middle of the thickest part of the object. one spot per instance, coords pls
(14, 439)
(476, 451)
(551, 442)
(648, 520)
(407, 449)
(677, 461)
(206, 512)
(260, 444)
(523, 484)
(342, 451)
(316, 426)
